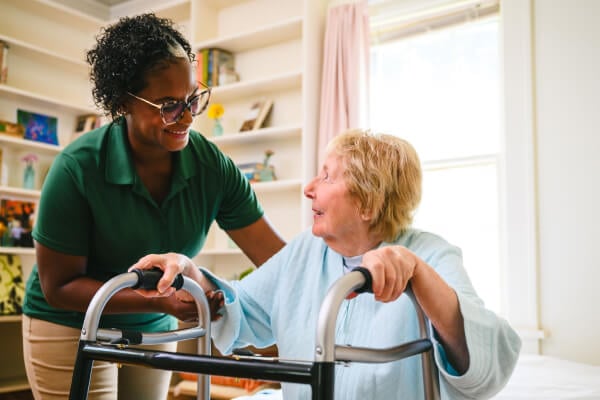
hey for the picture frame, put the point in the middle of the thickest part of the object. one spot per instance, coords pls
(3, 62)
(38, 127)
(16, 222)
(256, 117)
(84, 124)
(12, 289)
(257, 172)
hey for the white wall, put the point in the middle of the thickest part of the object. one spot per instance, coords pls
(567, 93)
(551, 53)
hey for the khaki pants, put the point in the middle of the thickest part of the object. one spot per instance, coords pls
(49, 352)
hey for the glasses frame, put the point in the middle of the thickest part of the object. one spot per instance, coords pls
(187, 104)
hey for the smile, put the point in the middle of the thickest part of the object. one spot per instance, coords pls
(180, 133)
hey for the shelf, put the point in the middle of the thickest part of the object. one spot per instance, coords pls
(220, 4)
(277, 186)
(55, 11)
(272, 133)
(9, 318)
(265, 36)
(176, 10)
(13, 385)
(19, 192)
(16, 43)
(28, 251)
(221, 252)
(16, 143)
(17, 95)
(256, 88)
(50, 25)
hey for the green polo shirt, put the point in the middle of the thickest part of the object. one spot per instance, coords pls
(94, 204)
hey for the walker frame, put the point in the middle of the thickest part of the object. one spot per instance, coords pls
(112, 345)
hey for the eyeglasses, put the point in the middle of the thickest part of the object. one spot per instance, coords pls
(172, 111)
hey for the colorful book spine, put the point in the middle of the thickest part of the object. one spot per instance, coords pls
(3, 62)
(214, 63)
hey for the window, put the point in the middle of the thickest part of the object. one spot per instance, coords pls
(440, 90)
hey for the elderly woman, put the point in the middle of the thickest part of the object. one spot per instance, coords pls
(363, 201)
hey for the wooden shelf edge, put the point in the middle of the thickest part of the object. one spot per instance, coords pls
(9, 318)
(257, 87)
(270, 133)
(13, 385)
(29, 144)
(32, 47)
(277, 186)
(264, 36)
(71, 12)
(46, 99)
(28, 193)
(28, 251)
(220, 252)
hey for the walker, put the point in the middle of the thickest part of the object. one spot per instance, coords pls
(112, 345)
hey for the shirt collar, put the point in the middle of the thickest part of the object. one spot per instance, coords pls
(119, 163)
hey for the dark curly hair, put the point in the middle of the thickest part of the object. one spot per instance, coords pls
(126, 51)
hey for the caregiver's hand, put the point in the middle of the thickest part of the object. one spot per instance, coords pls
(173, 264)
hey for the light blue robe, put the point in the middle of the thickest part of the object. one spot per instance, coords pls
(279, 303)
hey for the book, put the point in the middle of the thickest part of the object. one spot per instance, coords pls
(12, 129)
(16, 222)
(3, 62)
(257, 115)
(38, 127)
(12, 287)
(86, 123)
(200, 67)
(212, 62)
(223, 62)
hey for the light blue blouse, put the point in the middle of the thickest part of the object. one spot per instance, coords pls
(279, 303)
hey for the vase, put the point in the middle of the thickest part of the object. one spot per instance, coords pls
(217, 128)
(29, 177)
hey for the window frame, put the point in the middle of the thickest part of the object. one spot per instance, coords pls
(519, 258)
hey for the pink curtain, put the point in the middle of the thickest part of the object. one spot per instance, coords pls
(345, 71)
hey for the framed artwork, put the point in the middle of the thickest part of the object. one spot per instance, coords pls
(16, 222)
(12, 287)
(38, 127)
(255, 119)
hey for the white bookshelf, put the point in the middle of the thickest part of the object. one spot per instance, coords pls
(47, 74)
(265, 134)
(278, 55)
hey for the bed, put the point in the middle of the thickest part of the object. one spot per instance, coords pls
(535, 378)
(550, 378)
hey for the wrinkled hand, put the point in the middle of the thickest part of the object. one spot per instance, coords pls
(171, 264)
(180, 303)
(391, 268)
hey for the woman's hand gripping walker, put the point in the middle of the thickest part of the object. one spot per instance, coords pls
(320, 374)
(103, 344)
(360, 281)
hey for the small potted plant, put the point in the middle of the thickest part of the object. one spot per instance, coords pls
(216, 111)
(265, 171)
(29, 172)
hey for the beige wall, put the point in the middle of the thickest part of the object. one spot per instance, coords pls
(567, 93)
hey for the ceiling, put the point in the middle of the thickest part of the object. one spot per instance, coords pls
(110, 2)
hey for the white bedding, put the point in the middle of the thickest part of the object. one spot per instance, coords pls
(549, 378)
(535, 378)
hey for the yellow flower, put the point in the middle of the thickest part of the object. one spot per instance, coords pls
(215, 111)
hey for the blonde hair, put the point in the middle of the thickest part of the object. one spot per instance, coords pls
(383, 173)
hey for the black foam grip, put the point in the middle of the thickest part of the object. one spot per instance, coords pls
(367, 287)
(148, 279)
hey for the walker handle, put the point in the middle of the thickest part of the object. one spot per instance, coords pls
(367, 287)
(148, 279)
